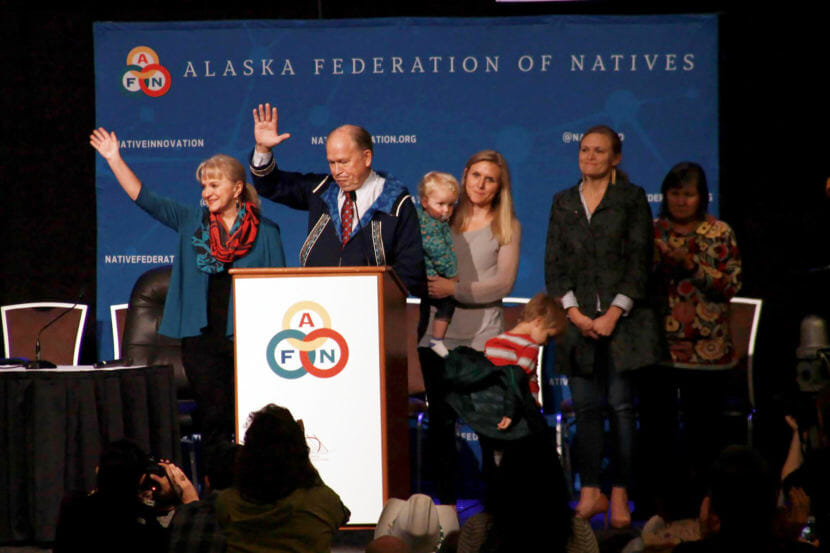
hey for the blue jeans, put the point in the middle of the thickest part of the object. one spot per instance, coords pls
(592, 394)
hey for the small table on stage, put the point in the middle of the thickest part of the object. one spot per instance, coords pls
(53, 423)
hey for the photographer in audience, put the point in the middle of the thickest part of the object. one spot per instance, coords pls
(195, 529)
(131, 507)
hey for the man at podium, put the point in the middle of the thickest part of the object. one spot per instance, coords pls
(356, 216)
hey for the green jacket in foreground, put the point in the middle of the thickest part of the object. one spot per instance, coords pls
(302, 522)
(482, 393)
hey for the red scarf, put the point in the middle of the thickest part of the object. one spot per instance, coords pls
(237, 244)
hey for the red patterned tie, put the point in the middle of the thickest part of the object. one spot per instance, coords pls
(346, 218)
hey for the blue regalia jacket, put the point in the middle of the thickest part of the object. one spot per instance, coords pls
(389, 233)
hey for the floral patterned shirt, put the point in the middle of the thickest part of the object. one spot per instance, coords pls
(439, 251)
(696, 318)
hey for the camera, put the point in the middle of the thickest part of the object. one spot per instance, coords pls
(151, 468)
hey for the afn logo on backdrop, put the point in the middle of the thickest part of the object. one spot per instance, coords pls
(307, 344)
(145, 73)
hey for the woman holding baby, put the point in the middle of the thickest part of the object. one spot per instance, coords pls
(487, 240)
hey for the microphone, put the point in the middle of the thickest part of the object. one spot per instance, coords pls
(353, 196)
(39, 363)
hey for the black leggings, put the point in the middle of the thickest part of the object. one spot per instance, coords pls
(442, 457)
(208, 363)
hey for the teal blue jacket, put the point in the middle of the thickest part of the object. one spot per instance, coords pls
(185, 309)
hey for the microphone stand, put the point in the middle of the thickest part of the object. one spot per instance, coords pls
(43, 364)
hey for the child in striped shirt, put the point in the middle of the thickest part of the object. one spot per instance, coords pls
(542, 318)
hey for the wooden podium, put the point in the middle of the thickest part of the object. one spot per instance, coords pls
(329, 343)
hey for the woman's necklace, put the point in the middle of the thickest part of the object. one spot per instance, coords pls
(593, 194)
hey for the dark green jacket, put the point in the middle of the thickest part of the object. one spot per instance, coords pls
(303, 522)
(481, 393)
(610, 255)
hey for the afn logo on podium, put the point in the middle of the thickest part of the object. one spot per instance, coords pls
(145, 73)
(307, 344)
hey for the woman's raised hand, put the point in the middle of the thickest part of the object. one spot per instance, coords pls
(266, 134)
(107, 145)
(105, 142)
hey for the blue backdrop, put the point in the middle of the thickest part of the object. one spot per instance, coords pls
(431, 91)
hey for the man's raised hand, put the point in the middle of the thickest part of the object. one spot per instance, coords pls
(266, 134)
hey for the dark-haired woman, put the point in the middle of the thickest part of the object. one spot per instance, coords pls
(598, 259)
(227, 232)
(279, 502)
(698, 270)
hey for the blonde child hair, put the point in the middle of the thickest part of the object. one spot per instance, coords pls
(437, 179)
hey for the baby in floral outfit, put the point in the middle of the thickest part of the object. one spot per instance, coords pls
(438, 192)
